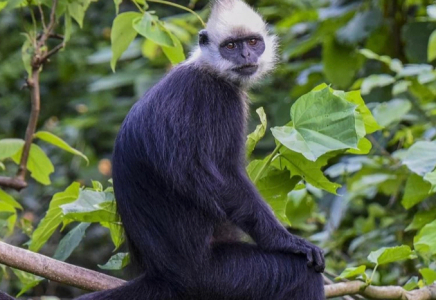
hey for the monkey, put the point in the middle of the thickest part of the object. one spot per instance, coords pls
(179, 178)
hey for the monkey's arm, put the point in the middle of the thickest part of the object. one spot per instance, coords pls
(246, 208)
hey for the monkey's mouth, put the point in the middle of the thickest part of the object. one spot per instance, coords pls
(246, 70)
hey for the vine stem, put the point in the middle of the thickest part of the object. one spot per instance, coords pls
(181, 7)
(137, 6)
(267, 163)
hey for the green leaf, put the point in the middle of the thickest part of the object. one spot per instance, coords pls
(341, 63)
(26, 56)
(416, 191)
(422, 218)
(27, 280)
(322, 122)
(354, 97)
(389, 255)
(308, 170)
(150, 27)
(420, 158)
(394, 64)
(431, 50)
(70, 241)
(122, 35)
(391, 112)
(117, 233)
(5, 197)
(8, 216)
(428, 275)
(431, 177)
(374, 81)
(91, 206)
(58, 142)
(2, 166)
(54, 216)
(116, 262)
(174, 54)
(274, 188)
(425, 241)
(68, 26)
(9, 147)
(254, 137)
(300, 208)
(38, 164)
(352, 272)
(77, 9)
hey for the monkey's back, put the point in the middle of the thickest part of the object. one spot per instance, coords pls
(178, 137)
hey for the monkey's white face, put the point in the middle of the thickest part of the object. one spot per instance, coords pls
(236, 43)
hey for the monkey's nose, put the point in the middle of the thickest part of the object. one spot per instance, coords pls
(245, 54)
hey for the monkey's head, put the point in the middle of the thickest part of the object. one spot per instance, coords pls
(236, 43)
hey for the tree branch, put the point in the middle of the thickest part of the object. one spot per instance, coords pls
(39, 57)
(58, 271)
(55, 270)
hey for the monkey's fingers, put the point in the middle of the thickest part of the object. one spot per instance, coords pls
(319, 260)
(309, 256)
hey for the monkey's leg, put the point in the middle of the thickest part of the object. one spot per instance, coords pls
(246, 208)
(238, 271)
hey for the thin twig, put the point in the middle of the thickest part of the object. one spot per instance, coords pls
(33, 84)
(52, 52)
(41, 14)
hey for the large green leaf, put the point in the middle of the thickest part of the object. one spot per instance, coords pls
(54, 216)
(254, 137)
(274, 188)
(9, 147)
(389, 255)
(58, 142)
(150, 27)
(354, 97)
(322, 123)
(91, 206)
(122, 35)
(116, 231)
(70, 241)
(310, 171)
(391, 112)
(416, 191)
(38, 164)
(360, 27)
(300, 208)
(420, 158)
(425, 240)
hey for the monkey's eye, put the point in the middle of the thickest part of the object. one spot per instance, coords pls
(231, 46)
(252, 42)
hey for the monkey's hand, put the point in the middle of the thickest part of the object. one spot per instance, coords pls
(314, 254)
(294, 244)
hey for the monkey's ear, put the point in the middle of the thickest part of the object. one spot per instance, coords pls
(203, 38)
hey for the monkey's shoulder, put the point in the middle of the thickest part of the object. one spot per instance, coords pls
(187, 82)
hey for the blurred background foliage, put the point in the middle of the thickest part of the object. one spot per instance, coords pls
(84, 103)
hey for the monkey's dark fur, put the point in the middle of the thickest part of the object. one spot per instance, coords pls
(179, 174)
